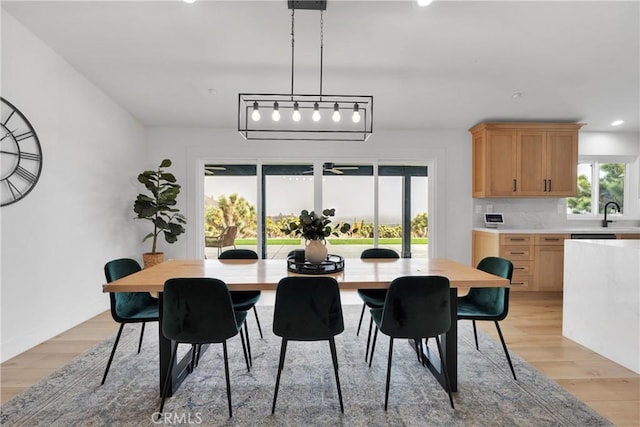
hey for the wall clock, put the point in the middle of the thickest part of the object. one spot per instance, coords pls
(21, 156)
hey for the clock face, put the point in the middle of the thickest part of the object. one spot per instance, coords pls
(21, 156)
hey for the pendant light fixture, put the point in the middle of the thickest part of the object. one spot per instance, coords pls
(305, 117)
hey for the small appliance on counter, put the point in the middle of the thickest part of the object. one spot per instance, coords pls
(492, 220)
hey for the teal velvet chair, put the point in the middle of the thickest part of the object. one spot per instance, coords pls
(489, 304)
(128, 307)
(307, 309)
(373, 298)
(416, 307)
(244, 300)
(199, 311)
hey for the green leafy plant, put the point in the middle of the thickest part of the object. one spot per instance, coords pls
(159, 207)
(314, 226)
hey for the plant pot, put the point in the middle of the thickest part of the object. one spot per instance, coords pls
(150, 259)
(316, 251)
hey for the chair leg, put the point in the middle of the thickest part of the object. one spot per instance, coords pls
(506, 352)
(334, 357)
(373, 346)
(283, 351)
(258, 322)
(386, 391)
(418, 344)
(475, 334)
(165, 389)
(361, 316)
(141, 335)
(113, 351)
(446, 372)
(226, 375)
(246, 334)
(366, 353)
(244, 349)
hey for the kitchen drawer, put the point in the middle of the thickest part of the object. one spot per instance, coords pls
(522, 283)
(551, 239)
(522, 268)
(515, 239)
(516, 253)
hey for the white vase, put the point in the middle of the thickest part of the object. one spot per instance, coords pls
(315, 251)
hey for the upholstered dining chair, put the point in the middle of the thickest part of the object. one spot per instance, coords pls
(198, 311)
(489, 304)
(307, 309)
(416, 307)
(128, 307)
(244, 300)
(373, 298)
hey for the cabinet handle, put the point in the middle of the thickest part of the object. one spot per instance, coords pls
(550, 239)
(545, 185)
(515, 185)
(549, 185)
(518, 268)
(516, 253)
(516, 239)
(517, 283)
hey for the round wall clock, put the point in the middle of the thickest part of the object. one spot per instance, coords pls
(21, 159)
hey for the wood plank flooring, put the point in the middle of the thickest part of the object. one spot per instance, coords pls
(533, 330)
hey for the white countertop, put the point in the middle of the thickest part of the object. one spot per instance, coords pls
(622, 243)
(561, 230)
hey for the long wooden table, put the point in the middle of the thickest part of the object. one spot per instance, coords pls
(265, 275)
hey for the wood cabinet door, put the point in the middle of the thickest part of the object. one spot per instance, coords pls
(561, 153)
(549, 268)
(501, 162)
(531, 163)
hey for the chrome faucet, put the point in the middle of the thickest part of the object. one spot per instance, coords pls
(605, 221)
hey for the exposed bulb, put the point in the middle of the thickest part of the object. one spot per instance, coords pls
(316, 112)
(356, 114)
(336, 113)
(276, 112)
(424, 3)
(296, 112)
(256, 113)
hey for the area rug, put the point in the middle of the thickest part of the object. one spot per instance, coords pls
(487, 395)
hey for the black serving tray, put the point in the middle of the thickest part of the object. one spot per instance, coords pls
(333, 264)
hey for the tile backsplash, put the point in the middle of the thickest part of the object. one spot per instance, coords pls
(535, 213)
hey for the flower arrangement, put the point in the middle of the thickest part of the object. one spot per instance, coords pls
(313, 226)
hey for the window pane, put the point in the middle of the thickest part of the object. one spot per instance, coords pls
(611, 184)
(582, 203)
(351, 194)
(230, 199)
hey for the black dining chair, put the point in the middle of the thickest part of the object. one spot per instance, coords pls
(199, 311)
(244, 300)
(489, 304)
(307, 309)
(416, 307)
(128, 307)
(373, 298)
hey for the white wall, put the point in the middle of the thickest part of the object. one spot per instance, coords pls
(56, 240)
(447, 152)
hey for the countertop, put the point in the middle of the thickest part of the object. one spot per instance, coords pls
(561, 230)
(622, 243)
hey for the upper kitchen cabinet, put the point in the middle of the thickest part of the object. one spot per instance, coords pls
(525, 159)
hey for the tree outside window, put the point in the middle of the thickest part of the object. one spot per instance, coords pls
(591, 199)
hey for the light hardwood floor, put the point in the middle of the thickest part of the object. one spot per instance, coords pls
(533, 330)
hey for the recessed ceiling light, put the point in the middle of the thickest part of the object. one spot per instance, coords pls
(617, 123)
(517, 95)
(189, 1)
(424, 3)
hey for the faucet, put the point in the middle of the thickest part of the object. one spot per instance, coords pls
(605, 221)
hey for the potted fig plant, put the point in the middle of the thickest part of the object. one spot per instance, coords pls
(315, 228)
(158, 207)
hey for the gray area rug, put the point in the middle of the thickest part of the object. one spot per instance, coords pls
(487, 396)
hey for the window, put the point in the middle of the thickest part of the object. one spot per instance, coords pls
(610, 179)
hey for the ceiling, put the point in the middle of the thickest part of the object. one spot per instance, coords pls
(447, 66)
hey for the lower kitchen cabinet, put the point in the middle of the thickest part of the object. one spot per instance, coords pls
(549, 262)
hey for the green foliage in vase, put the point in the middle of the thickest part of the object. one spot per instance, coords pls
(314, 226)
(159, 207)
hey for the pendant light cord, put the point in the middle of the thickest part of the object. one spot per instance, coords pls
(292, 48)
(321, 47)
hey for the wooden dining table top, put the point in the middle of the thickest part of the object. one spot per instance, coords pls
(264, 274)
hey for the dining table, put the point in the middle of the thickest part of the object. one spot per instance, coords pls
(264, 275)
